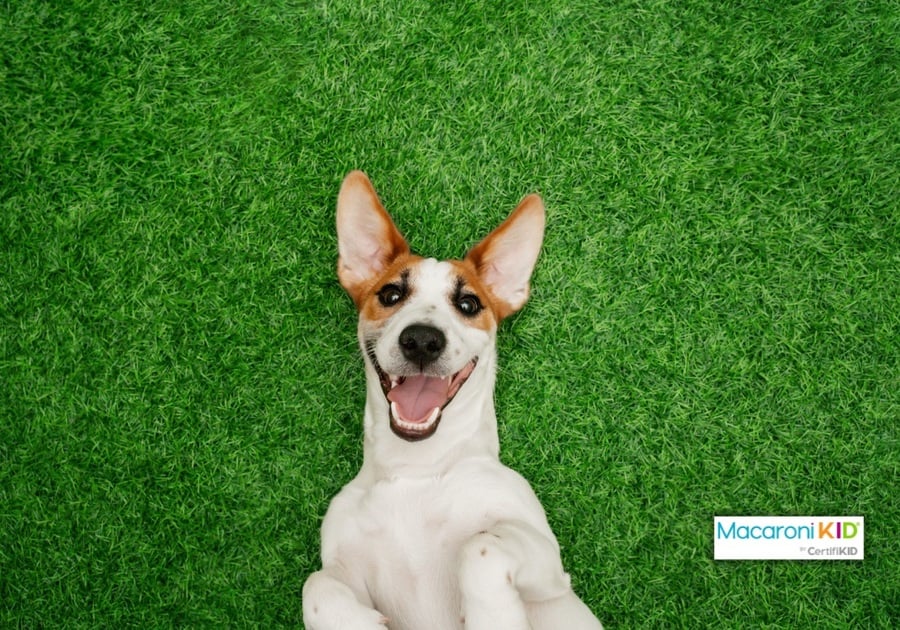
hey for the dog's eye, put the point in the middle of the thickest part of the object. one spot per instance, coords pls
(391, 295)
(469, 305)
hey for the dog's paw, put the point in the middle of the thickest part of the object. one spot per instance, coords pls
(350, 617)
(330, 605)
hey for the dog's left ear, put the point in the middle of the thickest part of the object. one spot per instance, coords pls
(506, 257)
(368, 240)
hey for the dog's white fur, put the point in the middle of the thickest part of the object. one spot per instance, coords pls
(436, 533)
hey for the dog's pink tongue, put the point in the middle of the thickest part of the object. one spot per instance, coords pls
(418, 395)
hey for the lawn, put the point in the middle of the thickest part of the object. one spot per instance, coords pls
(714, 327)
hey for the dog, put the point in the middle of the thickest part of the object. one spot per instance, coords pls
(434, 533)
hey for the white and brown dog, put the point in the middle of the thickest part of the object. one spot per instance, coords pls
(434, 533)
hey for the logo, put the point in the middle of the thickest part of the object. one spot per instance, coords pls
(788, 537)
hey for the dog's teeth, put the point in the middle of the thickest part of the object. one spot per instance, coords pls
(415, 426)
(394, 382)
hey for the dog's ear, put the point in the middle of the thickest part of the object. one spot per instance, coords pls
(368, 241)
(506, 257)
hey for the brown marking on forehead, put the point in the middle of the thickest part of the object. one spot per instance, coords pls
(488, 317)
(368, 303)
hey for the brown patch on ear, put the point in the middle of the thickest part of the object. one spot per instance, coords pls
(505, 259)
(368, 240)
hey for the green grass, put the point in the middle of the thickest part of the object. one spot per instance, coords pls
(714, 326)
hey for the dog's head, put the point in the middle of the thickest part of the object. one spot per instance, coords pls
(427, 327)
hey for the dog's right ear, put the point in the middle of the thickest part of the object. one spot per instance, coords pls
(368, 241)
(506, 258)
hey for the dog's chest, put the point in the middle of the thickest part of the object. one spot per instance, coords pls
(404, 535)
(413, 526)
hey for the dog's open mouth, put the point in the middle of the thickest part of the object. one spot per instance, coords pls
(416, 401)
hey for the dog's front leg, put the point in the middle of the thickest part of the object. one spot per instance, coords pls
(329, 604)
(503, 568)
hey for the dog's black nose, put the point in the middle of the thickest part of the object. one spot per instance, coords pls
(422, 344)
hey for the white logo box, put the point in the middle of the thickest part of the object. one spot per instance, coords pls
(789, 537)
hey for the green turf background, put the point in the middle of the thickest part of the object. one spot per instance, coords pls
(713, 328)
